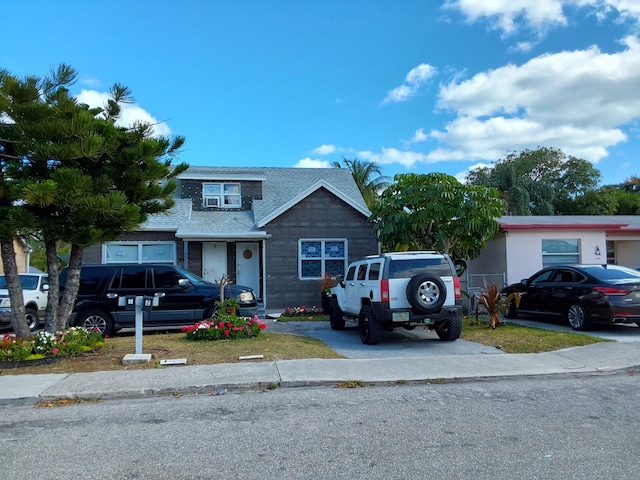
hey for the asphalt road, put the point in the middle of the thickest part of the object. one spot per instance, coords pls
(563, 427)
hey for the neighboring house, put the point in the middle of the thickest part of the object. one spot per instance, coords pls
(276, 230)
(23, 251)
(526, 244)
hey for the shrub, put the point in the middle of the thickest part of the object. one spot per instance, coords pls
(43, 344)
(225, 327)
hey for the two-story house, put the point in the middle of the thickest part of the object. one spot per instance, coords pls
(276, 230)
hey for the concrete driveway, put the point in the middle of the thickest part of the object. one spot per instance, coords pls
(397, 344)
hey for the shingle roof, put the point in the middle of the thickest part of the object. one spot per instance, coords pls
(282, 188)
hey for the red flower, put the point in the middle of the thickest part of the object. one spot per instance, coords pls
(226, 333)
(263, 326)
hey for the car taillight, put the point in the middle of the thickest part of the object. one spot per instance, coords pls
(456, 288)
(384, 291)
(612, 290)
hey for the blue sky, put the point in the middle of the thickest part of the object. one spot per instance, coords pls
(414, 85)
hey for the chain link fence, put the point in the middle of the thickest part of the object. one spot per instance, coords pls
(475, 284)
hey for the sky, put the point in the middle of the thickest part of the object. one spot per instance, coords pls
(416, 86)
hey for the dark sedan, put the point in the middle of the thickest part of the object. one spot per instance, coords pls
(581, 294)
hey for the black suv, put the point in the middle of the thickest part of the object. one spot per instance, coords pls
(184, 298)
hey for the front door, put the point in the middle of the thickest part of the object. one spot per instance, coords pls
(214, 261)
(248, 266)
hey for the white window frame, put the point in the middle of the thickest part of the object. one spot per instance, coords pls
(164, 249)
(323, 258)
(550, 255)
(227, 195)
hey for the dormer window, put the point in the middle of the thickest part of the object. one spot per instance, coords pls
(221, 195)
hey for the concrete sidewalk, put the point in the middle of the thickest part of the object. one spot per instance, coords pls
(216, 379)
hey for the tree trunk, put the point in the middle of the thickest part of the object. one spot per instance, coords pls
(68, 299)
(18, 319)
(53, 297)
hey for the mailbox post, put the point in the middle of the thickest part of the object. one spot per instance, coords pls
(140, 304)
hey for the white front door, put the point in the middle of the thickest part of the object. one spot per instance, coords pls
(248, 266)
(214, 261)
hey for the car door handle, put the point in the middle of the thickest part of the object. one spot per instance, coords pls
(159, 294)
(112, 295)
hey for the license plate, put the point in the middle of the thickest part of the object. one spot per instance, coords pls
(400, 316)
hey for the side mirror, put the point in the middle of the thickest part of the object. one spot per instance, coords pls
(45, 287)
(183, 283)
(340, 280)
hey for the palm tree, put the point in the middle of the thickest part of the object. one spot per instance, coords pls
(368, 177)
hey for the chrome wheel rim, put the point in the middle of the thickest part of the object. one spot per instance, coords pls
(95, 323)
(576, 316)
(428, 293)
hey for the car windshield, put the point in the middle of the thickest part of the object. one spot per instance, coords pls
(28, 282)
(193, 278)
(609, 273)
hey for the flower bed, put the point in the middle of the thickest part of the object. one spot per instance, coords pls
(301, 311)
(225, 327)
(43, 345)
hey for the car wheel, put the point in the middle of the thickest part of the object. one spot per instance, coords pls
(577, 316)
(336, 316)
(370, 328)
(33, 321)
(512, 311)
(211, 312)
(426, 293)
(97, 321)
(450, 330)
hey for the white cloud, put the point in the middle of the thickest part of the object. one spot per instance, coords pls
(461, 176)
(509, 16)
(416, 77)
(324, 150)
(131, 112)
(578, 101)
(419, 136)
(312, 163)
(390, 156)
(505, 14)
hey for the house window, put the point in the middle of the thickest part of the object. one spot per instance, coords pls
(139, 252)
(556, 252)
(221, 195)
(611, 252)
(318, 257)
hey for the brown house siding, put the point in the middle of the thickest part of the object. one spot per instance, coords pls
(320, 215)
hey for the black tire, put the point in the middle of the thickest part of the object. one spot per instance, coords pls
(450, 330)
(426, 293)
(211, 312)
(576, 315)
(512, 311)
(370, 328)
(31, 314)
(336, 316)
(95, 320)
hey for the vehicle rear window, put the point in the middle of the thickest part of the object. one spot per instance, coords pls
(613, 272)
(410, 267)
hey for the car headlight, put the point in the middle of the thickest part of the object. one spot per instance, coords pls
(246, 297)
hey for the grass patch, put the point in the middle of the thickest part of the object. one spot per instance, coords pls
(273, 346)
(513, 338)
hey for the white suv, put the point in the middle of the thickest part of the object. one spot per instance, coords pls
(35, 289)
(399, 289)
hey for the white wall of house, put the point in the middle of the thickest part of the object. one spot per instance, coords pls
(524, 249)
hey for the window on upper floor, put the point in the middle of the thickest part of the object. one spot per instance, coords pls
(139, 252)
(221, 195)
